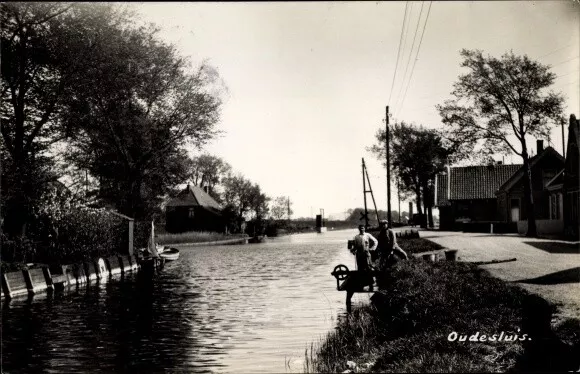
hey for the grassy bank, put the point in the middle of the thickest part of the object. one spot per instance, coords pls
(407, 327)
(195, 237)
(418, 245)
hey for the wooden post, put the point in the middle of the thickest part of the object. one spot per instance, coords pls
(388, 170)
(349, 294)
(365, 194)
(130, 248)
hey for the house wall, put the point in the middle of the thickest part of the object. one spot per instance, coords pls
(502, 208)
(571, 199)
(543, 227)
(446, 219)
(542, 172)
(474, 210)
(192, 218)
(571, 194)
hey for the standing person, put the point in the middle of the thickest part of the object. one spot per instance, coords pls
(363, 244)
(387, 248)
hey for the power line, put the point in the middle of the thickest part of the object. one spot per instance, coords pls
(556, 50)
(563, 75)
(416, 57)
(563, 62)
(398, 51)
(410, 53)
(405, 37)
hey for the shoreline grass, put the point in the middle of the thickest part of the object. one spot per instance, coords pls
(195, 237)
(407, 326)
(418, 245)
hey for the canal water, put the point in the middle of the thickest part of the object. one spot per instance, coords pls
(238, 308)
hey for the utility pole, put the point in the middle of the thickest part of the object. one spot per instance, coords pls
(399, 196)
(366, 217)
(388, 170)
(288, 208)
(563, 143)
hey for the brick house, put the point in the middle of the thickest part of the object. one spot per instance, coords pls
(495, 193)
(545, 165)
(193, 210)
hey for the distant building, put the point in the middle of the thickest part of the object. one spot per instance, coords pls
(193, 210)
(467, 194)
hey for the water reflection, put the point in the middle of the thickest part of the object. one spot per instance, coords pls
(245, 308)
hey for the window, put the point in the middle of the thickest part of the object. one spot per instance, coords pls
(191, 213)
(515, 210)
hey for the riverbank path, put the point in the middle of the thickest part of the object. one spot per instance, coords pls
(549, 268)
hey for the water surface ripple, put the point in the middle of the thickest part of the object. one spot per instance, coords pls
(245, 308)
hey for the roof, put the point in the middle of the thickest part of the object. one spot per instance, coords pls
(472, 182)
(194, 196)
(515, 178)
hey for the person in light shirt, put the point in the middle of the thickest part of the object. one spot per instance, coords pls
(363, 244)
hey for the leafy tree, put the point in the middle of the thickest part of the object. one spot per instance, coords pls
(237, 196)
(244, 200)
(501, 101)
(281, 208)
(207, 170)
(45, 47)
(418, 154)
(139, 105)
(259, 203)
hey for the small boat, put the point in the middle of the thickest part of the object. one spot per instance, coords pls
(169, 254)
(258, 239)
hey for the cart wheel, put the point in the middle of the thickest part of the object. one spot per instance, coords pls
(340, 272)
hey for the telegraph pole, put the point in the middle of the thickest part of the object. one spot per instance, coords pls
(563, 143)
(399, 196)
(366, 217)
(388, 170)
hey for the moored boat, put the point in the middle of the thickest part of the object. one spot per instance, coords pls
(169, 254)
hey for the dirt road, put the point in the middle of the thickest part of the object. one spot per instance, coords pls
(550, 268)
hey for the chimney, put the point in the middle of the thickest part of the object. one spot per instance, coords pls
(539, 146)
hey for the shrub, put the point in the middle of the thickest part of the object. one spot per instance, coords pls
(62, 230)
(418, 245)
(80, 233)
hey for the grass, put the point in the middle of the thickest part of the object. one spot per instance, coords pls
(406, 327)
(418, 245)
(195, 237)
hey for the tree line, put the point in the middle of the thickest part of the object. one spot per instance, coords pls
(90, 94)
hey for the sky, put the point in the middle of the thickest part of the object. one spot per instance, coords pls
(308, 82)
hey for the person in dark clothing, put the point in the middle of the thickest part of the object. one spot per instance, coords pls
(388, 249)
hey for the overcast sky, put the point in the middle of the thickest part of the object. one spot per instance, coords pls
(308, 82)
